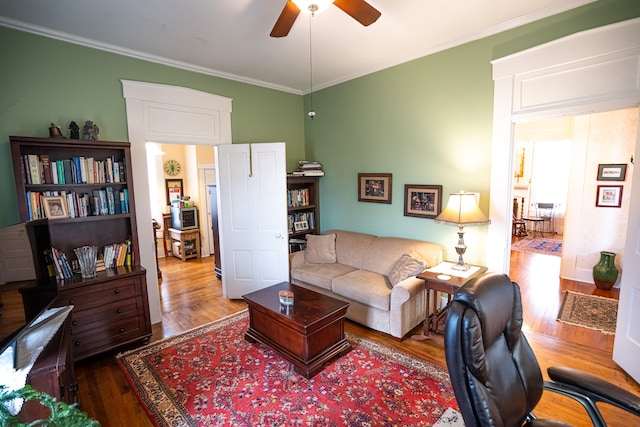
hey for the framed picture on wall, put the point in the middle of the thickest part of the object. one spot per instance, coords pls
(609, 196)
(612, 172)
(374, 187)
(423, 201)
(174, 189)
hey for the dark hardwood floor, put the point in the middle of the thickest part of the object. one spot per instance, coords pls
(191, 296)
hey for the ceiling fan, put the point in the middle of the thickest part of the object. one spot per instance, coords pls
(359, 10)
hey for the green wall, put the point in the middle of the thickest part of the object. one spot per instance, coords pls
(44, 80)
(428, 121)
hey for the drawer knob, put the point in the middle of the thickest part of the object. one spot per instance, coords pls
(74, 323)
(119, 311)
(77, 343)
(121, 330)
(71, 302)
(117, 291)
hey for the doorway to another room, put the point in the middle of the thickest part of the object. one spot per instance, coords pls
(556, 164)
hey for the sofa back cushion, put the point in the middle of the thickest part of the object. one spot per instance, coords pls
(383, 253)
(352, 248)
(321, 249)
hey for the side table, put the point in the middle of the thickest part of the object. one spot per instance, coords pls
(435, 279)
(189, 243)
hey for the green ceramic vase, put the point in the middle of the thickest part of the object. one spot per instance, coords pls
(605, 272)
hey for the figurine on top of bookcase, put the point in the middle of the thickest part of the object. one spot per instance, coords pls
(54, 131)
(74, 130)
(90, 131)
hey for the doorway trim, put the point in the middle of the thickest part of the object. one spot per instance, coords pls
(167, 114)
(569, 76)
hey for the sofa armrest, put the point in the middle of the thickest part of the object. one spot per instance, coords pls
(405, 290)
(296, 259)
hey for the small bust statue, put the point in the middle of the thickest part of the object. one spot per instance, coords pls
(90, 131)
(74, 130)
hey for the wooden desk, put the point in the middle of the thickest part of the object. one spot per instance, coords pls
(189, 243)
(450, 286)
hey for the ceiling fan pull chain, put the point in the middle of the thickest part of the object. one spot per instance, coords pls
(311, 113)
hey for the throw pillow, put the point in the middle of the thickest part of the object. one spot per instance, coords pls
(404, 267)
(321, 249)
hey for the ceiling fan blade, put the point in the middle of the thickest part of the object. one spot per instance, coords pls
(359, 10)
(285, 20)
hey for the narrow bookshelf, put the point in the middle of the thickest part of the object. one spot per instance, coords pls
(303, 207)
(83, 190)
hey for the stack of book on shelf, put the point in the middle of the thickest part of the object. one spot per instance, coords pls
(308, 168)
(106, 201)
(117, 254)
(61, 264)
(296, 245)
(41, 169)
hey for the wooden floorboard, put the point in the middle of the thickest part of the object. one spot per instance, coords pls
(192, 296)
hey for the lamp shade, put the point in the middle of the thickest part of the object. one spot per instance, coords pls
(462, 209)
(312, 6)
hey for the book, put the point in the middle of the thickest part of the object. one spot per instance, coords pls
(46, 169)
(66, 168)
(34, 168)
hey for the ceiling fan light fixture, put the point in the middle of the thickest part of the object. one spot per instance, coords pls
(313, 6)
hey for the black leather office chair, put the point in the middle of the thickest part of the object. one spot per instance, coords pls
(494, 373)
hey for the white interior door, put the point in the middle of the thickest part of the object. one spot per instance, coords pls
(252, 216)
(626, 347)
(16, 257)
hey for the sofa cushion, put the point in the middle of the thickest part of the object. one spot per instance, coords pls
(353, 247)
(320, 275)
(365, 287)
(321, 249)
(404, 267)
(385, 251)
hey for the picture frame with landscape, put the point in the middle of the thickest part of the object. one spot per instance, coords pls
(423, 201)
(374, 187)
(55, 207)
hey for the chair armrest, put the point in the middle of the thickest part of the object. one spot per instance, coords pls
(597, 388)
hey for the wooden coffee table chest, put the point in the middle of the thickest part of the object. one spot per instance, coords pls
(307, 334)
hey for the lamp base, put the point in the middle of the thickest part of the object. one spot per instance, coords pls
(460, 267)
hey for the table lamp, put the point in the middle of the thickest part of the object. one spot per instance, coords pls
(462, 209)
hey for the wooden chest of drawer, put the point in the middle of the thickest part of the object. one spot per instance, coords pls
(109, 311)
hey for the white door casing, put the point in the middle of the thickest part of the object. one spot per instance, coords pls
(569, 76)
(252, 216)
(626, 347)
(167, 114)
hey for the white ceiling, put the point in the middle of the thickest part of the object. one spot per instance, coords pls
(230, 38)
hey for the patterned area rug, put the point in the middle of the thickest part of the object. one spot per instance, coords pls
(539, 245)
(211, 376)
(589, 311)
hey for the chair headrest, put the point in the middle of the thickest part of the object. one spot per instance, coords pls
(496, 301)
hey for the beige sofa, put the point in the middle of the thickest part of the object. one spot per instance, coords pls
(370, 273)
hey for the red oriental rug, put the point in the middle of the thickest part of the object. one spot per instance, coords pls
(211, 376)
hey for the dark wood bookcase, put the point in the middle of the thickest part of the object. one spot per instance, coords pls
(112, 308)
(303, 209)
